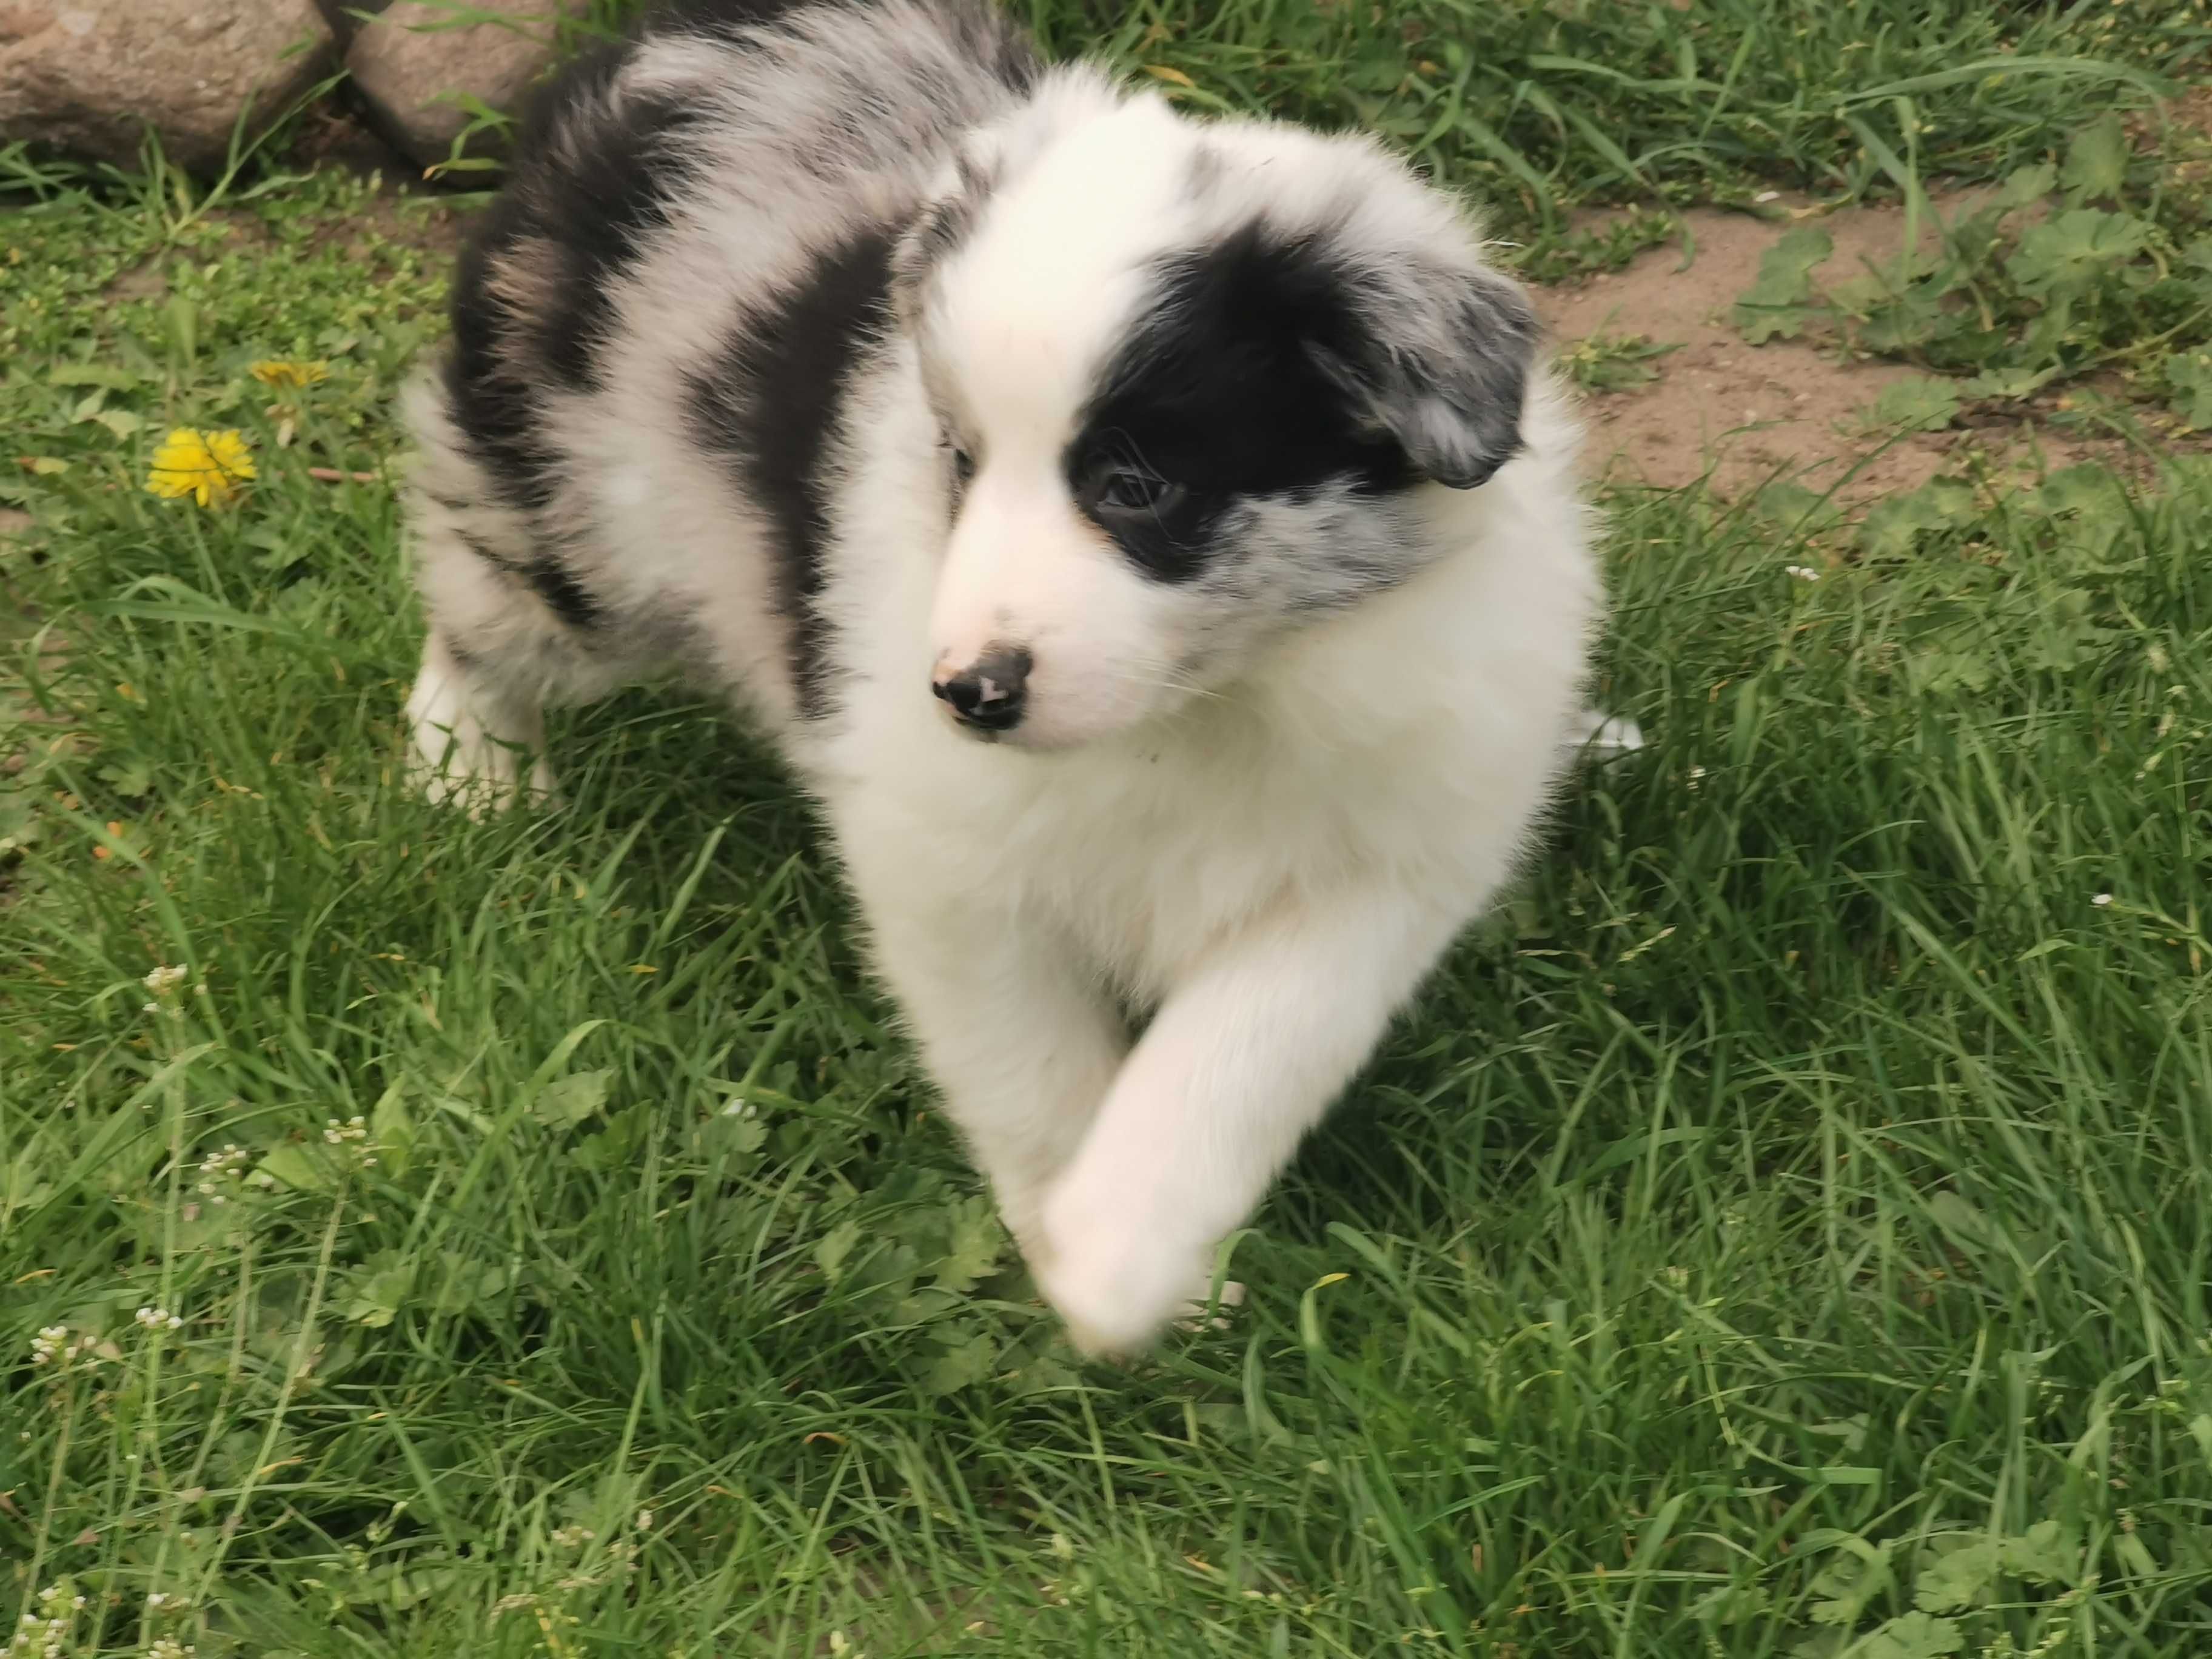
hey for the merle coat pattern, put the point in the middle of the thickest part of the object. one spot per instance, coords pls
(1153, 544)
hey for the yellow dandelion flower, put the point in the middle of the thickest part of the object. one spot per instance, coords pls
(209, 466)
(287, 376)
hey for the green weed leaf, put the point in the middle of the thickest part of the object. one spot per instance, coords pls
(1959, 1580)
(2067, 254)
(1907, 322)
(2046, 1554)
(1848, 1583)
(835, 1248)
(378, 1289)
(470, 1287)
(1777, 305)
(393, 1130)
(2096, 162)
(965, 1361)
(2189, 382)
(1922, 404)
(2024, 186)
(974, 1246)
(300, 1166)
(2004, 384)
(566, 1102)
(1914, 1636)
(132, 780)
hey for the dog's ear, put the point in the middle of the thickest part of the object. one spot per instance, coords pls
(1437, 356)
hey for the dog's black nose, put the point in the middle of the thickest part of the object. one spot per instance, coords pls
(988, 694)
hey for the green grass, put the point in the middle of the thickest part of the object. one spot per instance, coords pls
(1784, 1232)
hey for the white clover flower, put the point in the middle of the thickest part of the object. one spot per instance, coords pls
(229, 1164)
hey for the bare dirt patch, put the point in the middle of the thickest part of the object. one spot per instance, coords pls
(1741, 413)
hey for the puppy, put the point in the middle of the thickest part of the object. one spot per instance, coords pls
(1151, 542)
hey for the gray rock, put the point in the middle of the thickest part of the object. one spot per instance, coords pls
(406, 74)
(91, 75)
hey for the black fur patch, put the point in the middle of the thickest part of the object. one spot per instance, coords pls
(562, 594)
(584, 192)
(768, 405)
(592, 184)
(613, 194)
(490, 400)
(1219, 392)
(484, 550)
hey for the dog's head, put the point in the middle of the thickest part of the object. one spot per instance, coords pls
(1190, 379)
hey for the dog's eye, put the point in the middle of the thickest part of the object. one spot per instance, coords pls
(1126, 489)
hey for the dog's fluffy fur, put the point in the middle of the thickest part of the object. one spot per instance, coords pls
(1151, 542)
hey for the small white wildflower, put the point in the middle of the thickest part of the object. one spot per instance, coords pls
(157, 1600)
(1803, 573)
(2101, 900)
(1695, 776)
(158, 1319)
(169, 1647)
(164, 980)
(354, 1128)
(49, 1344)
(645, 1520)
(225, 1165)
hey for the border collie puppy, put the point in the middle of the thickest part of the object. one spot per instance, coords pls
(1149, 540)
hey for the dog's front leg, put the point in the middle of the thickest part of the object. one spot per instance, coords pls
(1242, 1061)
(1022, 1043)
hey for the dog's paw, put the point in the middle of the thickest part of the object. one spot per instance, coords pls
(454, 761)
(1116, 1280)
(1211, 1313)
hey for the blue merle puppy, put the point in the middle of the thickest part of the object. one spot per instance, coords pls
(1152, 543)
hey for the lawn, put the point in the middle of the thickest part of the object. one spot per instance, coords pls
(1785, 1229)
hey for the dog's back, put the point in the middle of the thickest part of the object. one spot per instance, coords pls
(690, 251)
